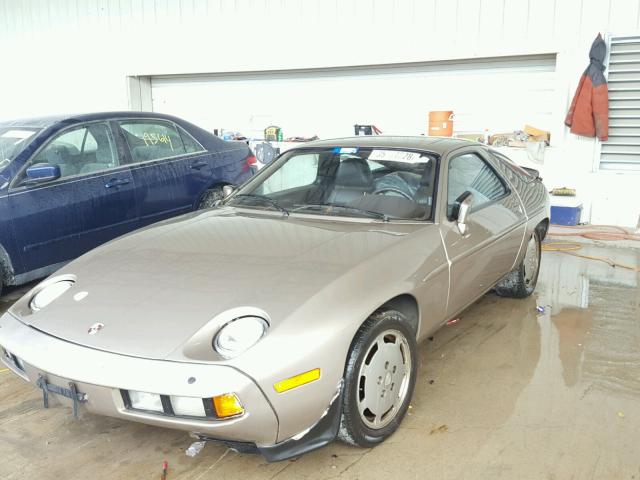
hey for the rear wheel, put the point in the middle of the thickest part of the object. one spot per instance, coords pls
(210, 198)
(522, 282)
(380, 376)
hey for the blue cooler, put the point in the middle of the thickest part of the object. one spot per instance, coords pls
(565, 210)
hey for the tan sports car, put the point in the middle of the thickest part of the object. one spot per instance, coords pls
(290, 313)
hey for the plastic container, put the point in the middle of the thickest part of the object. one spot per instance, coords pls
(194, 449)
(565, 210)
(441, 123)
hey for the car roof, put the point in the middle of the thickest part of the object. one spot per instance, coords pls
(47, 121)
(438, 145)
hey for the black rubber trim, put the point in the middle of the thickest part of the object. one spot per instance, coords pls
(166, 405)
(321, 434)
(208, 408)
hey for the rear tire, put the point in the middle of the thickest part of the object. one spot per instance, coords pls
(521, 282)
(380, 376)
(210, 198)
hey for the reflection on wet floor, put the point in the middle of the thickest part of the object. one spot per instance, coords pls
(573, 327)
(612, 356)
(505, 393)
(596, 311)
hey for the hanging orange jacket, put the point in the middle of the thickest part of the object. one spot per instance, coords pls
(589, 112)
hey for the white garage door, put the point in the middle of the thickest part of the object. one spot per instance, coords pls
(497, 94)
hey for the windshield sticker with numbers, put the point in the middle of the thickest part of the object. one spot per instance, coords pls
(397, 156)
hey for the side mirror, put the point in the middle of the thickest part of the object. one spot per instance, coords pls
(461, 210)
(227, 190)
(43, 172)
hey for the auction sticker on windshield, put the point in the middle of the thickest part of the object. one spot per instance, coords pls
(397, 156)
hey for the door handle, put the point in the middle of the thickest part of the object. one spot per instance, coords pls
(116, 182)
(198, 165)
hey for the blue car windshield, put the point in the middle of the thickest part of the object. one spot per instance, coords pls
(12, 141)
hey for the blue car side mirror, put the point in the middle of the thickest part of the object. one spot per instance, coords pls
(43, 172)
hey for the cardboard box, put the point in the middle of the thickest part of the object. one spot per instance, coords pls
(537, 135)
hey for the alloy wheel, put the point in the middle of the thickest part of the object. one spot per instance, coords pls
(383, 379)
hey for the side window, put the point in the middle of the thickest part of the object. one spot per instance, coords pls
(152, 140)
(468, 172)
(299, 171)
(81, 150)
(513, 168)
(191, 145)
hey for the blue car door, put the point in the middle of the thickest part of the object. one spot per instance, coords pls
(92, 202)
(170, 168)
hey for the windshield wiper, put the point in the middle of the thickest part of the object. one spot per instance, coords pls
(263, 198)
(329, 206)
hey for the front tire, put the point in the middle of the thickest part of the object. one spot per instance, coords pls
(380, 376)
(521, 282)
(210, 198)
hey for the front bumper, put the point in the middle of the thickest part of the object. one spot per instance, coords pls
(102, 375)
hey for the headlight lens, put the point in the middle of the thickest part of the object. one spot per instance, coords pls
(146, 401)
(49, 293)
(239, 335)
(188, 406)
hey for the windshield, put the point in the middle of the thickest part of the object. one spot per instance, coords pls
(344, 181)
(12, 141)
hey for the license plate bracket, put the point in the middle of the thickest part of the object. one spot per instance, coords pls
(71, 392)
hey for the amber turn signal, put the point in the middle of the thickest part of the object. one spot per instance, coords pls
(227, 405)
(298, 380)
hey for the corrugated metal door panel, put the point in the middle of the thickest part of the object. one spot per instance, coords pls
(622, 150)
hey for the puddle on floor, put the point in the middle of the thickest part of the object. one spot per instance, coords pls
(573, 325)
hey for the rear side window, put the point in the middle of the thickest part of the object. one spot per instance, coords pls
(468, 172)
(191, 145)
(152, 140)
(513, 167)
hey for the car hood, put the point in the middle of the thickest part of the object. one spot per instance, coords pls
(155, 288)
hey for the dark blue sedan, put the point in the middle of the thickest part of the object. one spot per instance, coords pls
(68, 184)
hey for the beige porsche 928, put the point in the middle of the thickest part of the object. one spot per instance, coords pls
(290, 313)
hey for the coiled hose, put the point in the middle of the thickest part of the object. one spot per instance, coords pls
(592, 232)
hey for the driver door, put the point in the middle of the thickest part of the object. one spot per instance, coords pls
(92, 202)
(495, 227)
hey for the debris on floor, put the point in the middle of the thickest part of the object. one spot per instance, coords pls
(194, 449)
(540, 309)
(621, 414)
(440, 429)
(453, 321)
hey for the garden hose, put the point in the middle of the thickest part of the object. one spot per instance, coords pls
(570, 248)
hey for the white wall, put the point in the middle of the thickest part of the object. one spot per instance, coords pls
(75, 55)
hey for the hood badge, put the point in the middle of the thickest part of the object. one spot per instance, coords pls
(95, 328)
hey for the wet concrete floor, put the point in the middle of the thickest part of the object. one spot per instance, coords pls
(506, 393)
